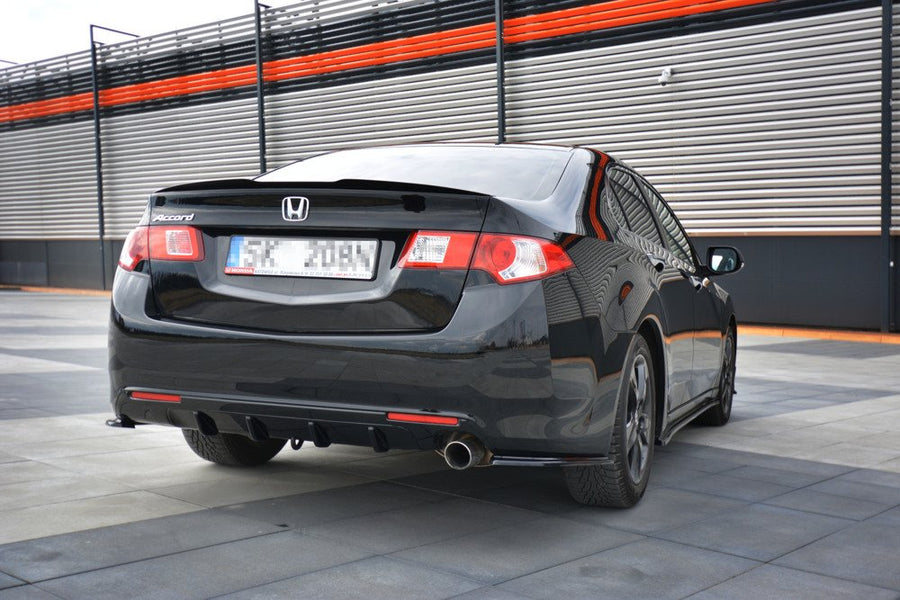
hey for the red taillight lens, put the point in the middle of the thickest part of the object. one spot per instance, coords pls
(438, 250)
(161, 243)
(508, 258)
(514, 258)
(135, 249)
(424, 419)
(175, 243)
(155, 397)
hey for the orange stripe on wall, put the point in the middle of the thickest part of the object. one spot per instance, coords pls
(594, 17)
(178, 86)
(43, 108)
(379, 53)
(609, 15)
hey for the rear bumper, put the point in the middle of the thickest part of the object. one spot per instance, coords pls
(491, 368)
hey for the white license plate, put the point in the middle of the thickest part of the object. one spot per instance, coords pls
(292, 257)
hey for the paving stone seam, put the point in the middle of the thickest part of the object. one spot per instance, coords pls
(812, 512)
(831, 576)
(350, 562)
(733, 577)
(48, 592)
(655, 535)
(132, 489)
(149, 558)
(644, 538)
(474, 580)
(851, 468)
(92, 453)
(305, 530)
(769, 563)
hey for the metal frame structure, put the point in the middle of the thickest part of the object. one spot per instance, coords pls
(98, 145)
(887, 246)
(260, 92)
(501, 61)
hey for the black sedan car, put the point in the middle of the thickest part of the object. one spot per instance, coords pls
(501, 304)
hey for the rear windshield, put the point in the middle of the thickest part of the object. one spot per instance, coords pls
(506, 172)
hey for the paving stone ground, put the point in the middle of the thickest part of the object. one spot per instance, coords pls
(797, 497)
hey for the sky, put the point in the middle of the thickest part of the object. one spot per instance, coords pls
(32, 30)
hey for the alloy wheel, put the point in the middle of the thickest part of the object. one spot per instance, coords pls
(726, 393)
(638, 419)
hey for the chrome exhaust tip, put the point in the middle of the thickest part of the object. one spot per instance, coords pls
(463, 453)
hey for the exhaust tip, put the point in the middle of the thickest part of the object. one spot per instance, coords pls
(463, 453)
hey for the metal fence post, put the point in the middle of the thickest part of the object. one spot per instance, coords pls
(260, 95)
(98, 161)
(887, 251)
(98, 149)
(501, 89)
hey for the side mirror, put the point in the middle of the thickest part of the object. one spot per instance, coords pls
(721, 260)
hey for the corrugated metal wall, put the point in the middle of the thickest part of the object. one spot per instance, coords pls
(143, 152)
(761, 129)
(433, 105)
(769, 128)
(47, 178)
(456, 104)
(895, 122)
(146, 150)
(47, 182)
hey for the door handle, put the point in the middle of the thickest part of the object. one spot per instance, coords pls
(658, 263)
(698, 283)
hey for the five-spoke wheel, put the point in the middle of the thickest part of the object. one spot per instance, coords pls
(621, 482)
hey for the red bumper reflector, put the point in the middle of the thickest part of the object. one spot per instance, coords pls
(157, 397)
(426, 419)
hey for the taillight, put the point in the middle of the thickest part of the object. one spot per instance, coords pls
(161, 243)
(135, 249)
(438, 250)
(155, 397)
(507, 258)
(420, 418)
(175, 243)
(513, 258)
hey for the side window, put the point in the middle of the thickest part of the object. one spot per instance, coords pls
(676, 239)
(628, 206)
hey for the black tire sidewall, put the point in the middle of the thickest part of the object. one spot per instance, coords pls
(639, 346)
(726, 396)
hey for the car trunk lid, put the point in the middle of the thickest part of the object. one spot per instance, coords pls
(310, 257)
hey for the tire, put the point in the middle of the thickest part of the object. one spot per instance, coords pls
(230, 449)
(621, 482)
(720, 412)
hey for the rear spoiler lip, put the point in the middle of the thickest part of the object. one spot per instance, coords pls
(343, 184)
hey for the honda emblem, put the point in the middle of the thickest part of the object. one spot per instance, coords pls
(295, 208)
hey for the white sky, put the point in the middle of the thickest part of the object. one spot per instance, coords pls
(32, 30)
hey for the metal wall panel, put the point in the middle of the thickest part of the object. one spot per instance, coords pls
(47, 178)
(47, 183)
(895, 122)
(448, 104)
(771, 128)
(143, 152)
(452, 104)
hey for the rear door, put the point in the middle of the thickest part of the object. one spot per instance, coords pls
(676, 292)
(310, 258)
(706, 314)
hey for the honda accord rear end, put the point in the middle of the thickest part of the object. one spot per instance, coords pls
(446, 297)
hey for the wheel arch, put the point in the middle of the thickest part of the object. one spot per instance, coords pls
(651, 331)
